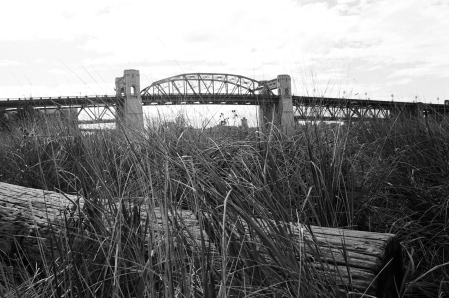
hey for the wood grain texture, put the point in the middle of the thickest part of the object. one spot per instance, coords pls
(359, 261)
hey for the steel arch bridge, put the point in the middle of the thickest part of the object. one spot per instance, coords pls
(209, 88)
(223, 88)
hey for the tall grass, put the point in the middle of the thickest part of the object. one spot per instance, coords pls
(379, 176)
(407, 194)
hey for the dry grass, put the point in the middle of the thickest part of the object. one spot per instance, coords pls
(383, 176)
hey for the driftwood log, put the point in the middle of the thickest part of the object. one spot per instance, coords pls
(370, 262)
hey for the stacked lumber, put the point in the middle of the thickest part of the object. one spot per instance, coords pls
(362, 262)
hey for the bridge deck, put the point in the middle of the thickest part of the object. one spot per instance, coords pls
(80, 101)
(335, 108)
(248, 99)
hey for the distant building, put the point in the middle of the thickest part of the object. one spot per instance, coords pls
(244, 123)
(235, 117)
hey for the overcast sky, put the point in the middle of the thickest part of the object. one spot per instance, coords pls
(372, 47)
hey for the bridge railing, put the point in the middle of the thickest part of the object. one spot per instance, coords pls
(246, 99)
(55, 97)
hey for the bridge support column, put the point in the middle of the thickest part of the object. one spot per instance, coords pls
(130, 108)
(285, 109)
(70, 115)
(267, 114)
(419, 110)
(281, 113)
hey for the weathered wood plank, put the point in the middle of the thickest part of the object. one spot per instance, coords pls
(25, 215)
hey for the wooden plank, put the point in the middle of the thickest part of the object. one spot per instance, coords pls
(25, 214)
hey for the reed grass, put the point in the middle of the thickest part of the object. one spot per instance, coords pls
(383, 176)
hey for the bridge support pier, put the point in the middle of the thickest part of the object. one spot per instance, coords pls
(129, 109)
(285, 112)
(70, 115)
(281, 113)
(420, 111)
(267, 114)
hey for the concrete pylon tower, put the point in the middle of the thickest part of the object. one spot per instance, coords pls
(130, 108)
(280, 113)
(285, 106)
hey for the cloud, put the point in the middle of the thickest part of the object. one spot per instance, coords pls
(57, 71)
(5, 62)
(401, 81)
(105, 10)
(380, 40)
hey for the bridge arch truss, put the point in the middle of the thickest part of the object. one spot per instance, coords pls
(207, 88)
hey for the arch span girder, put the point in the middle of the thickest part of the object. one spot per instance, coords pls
(194, 88)
(204, 83)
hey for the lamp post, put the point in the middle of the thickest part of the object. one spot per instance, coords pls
(392, 97)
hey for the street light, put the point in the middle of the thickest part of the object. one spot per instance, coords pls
(392, 97)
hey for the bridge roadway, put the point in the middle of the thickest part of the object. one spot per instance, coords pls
(331, 107)
(108, 100)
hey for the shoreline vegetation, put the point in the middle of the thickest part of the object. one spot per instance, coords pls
(383, 175)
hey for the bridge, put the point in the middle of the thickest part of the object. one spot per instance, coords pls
(274, 97)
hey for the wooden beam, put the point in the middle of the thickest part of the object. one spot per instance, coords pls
(366, 261)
